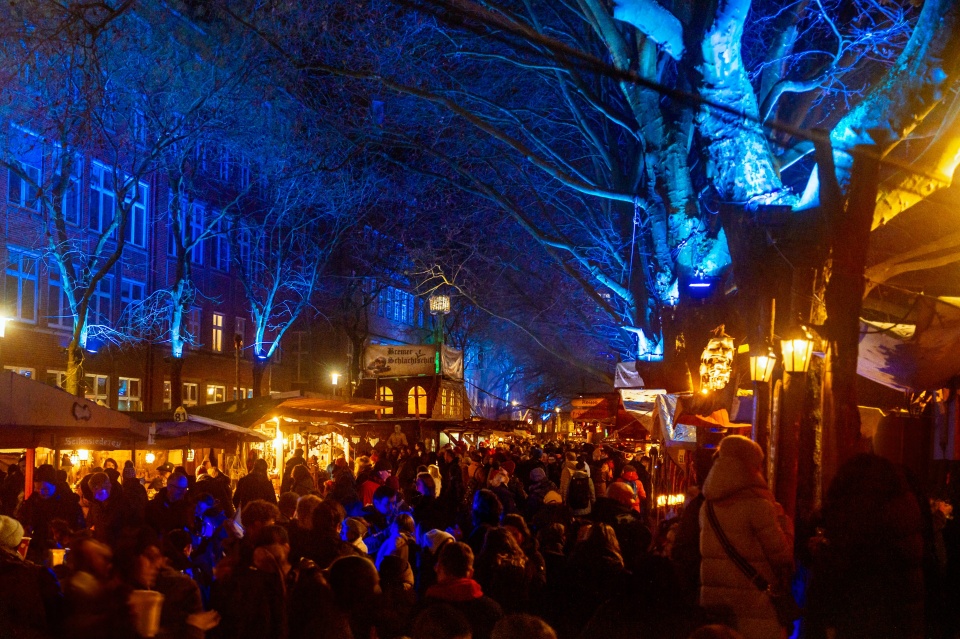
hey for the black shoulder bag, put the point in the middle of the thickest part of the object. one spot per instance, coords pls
(783, 603)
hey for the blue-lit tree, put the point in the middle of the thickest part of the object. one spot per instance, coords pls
(81, 85)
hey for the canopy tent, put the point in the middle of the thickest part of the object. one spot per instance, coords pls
(309, 410)
(33, 414)
(196, 432)
(913, 357)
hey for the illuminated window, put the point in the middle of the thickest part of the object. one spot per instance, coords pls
(444, 402)
(386, 396)
(97, 388)
(129, 394)
(71, 198)
(216, 394)
(136, 233)
(216, 338)
(191, 394)
(19, 370)
(417, 401)
(167, 392)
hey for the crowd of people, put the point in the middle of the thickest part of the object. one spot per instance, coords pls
(508, 541)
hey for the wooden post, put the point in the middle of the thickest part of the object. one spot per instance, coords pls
(761, 390)
(31, 454)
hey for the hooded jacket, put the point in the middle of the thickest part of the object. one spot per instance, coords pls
(756, 527)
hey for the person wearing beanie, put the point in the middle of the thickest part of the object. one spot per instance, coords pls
(158, 482)
(29, 594)
(42, 507)
(540, 486)
(756, 527)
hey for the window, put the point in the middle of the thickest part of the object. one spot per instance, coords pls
(245, 393)
(444, 402)
(167, 394)
(56, 378)
(129, 394)
(171, 231)
(216, 394)
(244, 173)
(58, 307)
(243, 246)
(101, 304)
(71, 198)
(417, 401)
(131, 292)
(21, 287)
(224, 165)
(193, 324)
(19, 370)
(139, 128)
(23, 192)
(216, 337)
(196, 232)
(220, 247)
(386, 395)
(191, 394)
(381, 302)
(96, 389)
(102, 197)
(136, 233)
(277, 356)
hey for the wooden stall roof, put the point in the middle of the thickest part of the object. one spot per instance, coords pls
(34, 414)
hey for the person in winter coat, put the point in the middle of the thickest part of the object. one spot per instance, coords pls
(868, 575)
(455, 586)
(579, 491)
(42, 507)
(302, 481)
(566, 472)
(30, 599)
(170, 509)
(256, 485)
(134, 496)
(539, 487)
(756, 527)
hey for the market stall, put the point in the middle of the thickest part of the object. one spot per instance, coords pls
(36, 416)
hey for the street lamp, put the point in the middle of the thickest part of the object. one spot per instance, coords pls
(439, 304)
(334, 378)
(762, 362)
(797, 348)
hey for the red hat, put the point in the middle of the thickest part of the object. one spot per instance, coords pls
(509, 466)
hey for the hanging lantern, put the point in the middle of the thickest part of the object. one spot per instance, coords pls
(716, 363)
(797, 348)
(150, 458)
(439, 304)
(762, 362)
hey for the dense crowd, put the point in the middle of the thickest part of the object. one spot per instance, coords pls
(512, 541)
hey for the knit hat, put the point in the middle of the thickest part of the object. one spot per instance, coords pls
(11, 532)
(744, 449)
(629, 473)
(509, 466)
(45, 473)
(537, 474)
(129, 472)
(552, 497)
(433, 539)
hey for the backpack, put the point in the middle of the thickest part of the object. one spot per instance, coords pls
(578, 493)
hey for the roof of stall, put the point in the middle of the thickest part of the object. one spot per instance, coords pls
(34, 414)
(297, 406)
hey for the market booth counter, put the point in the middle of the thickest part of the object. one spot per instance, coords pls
(266, 427)
(36, 416)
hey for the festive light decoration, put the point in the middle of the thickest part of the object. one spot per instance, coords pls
(671, 500)
(716, 363)
(150, 458)
(83, 455)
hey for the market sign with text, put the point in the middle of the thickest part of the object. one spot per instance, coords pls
(594, 408)
(381, 360)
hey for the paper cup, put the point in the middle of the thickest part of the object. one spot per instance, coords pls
(56, 556)
(146, 606)
(24, 546)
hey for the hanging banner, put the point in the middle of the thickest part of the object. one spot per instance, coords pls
(452, 361)
(381, 360)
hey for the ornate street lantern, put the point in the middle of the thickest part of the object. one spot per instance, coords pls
(439, 304)
(762, 362)
(797, 349)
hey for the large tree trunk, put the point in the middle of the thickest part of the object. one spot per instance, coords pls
(259, 368)
(73, 383)
(844, 295)
(176, 382)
